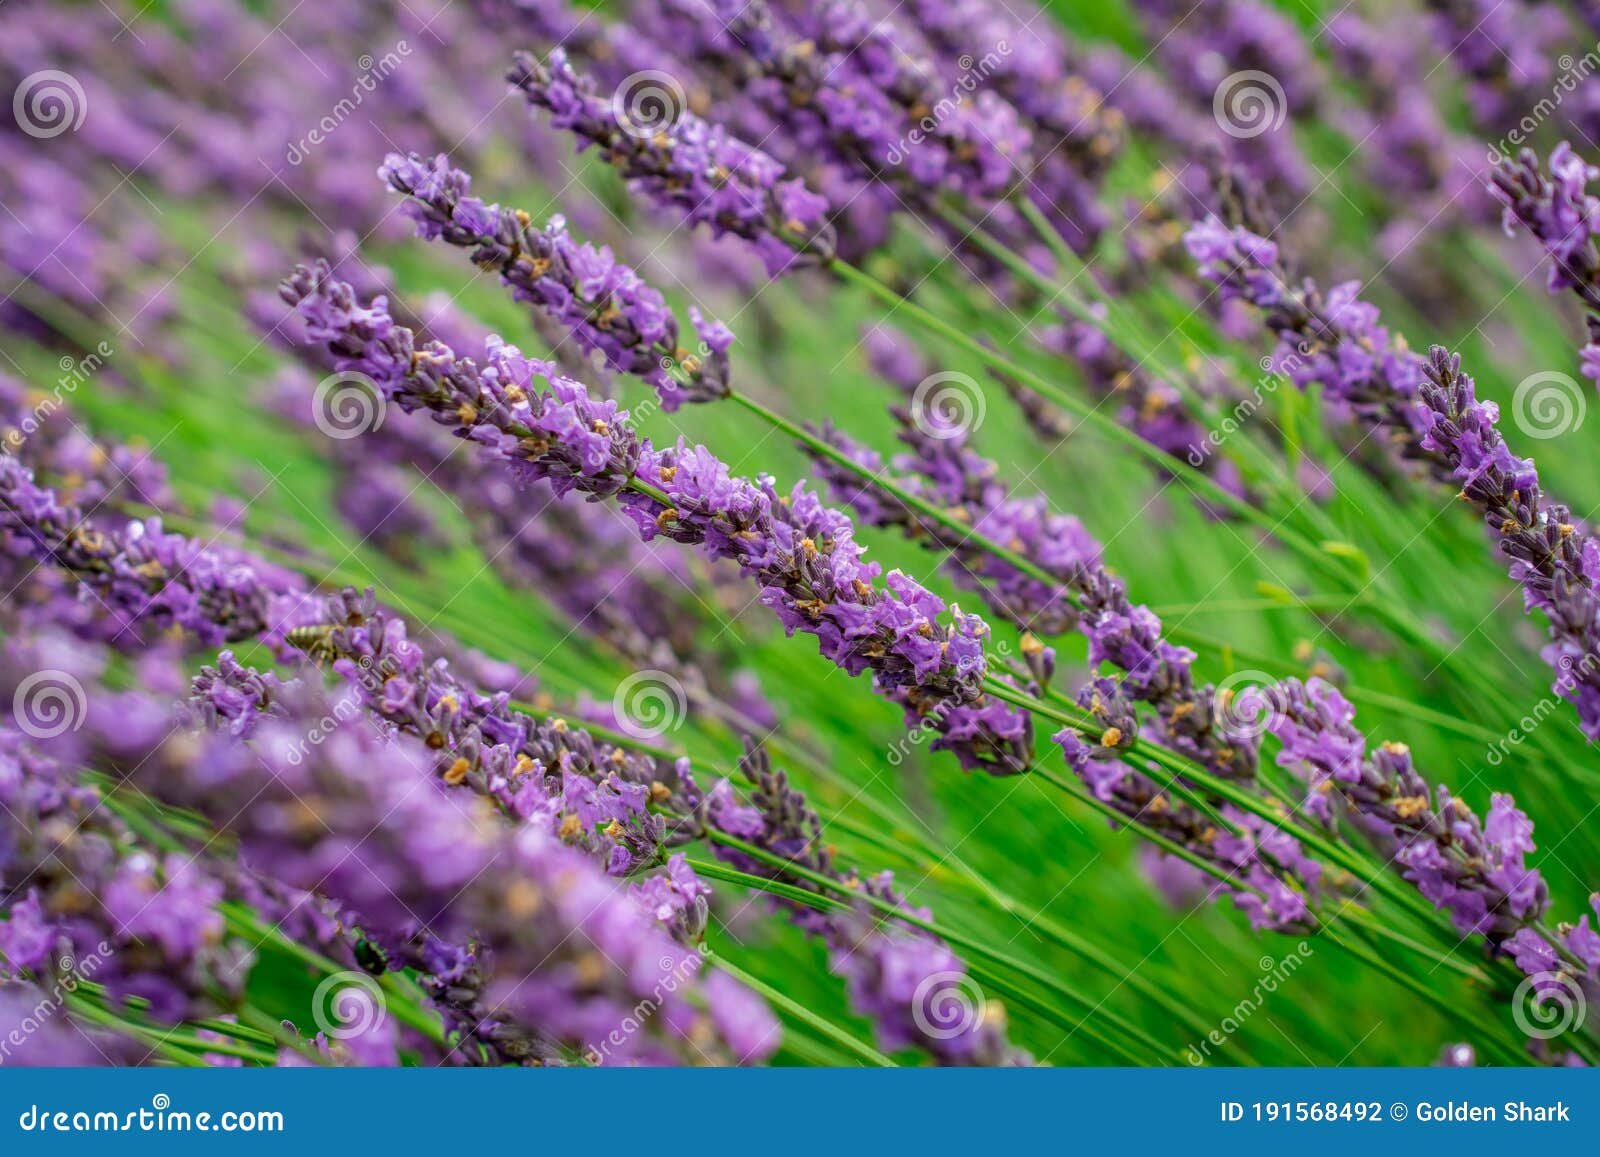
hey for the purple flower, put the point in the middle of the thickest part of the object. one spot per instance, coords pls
(1469, 868)
(561, 954)
(693, 166)
(1265, 872)
(1550, 556)
(944, 469)
(1559, 211)
(1501, 50)
(801, 553)
(222, 598)
(1428, 409)
(603, 304)
(79, 904)
(175, 907)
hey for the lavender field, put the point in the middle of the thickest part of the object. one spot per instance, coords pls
(776, 532)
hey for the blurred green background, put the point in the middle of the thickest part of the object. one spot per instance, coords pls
(1009, 863)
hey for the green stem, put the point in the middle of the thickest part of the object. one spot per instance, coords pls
(85, 1010)
(281, 1035)
(1375, 960)
(804, 1015)
(1387, 609)
(921, 505)
(969, 944)
(1180, 769)
(1090, 414)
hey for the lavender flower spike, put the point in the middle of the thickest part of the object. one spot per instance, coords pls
(943, 468)
(559, 954)
(600, 800)
(592, 795)
(225, 596)
(1559, 211)
(1471, 869)
(1428, 409)
(1334, 341)
(801, 552)
(694, 167)
(603, 303)
(1268, 875)
(73, 890)
(1555, 561)
(385, 668)
(1564, 217)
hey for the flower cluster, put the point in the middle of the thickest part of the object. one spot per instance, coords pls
(602, 303)
(943, 468)
(1553, 559)
(1473, 869)
(695, 167)
(1560, 212)
(558, 955)
(802, 554)
(595, 798)
(1428, 409)
(1335, 341)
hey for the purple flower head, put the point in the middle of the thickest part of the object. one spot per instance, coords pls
(943, 468)
(800, 552)
(81, 902)
(1548, 551)
(603, 304)
(692, 166)
(1265, 872)
(1469, 868)
(562, 953)
(1556, 207)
